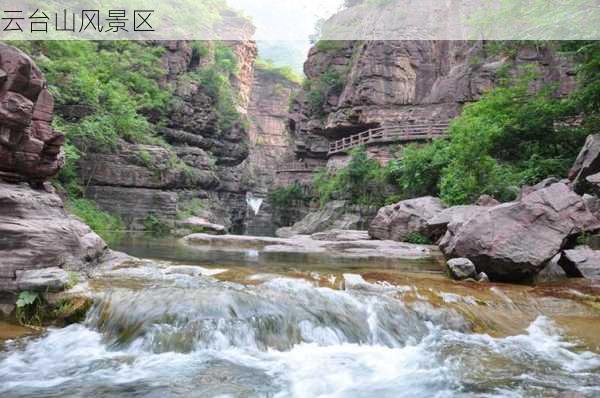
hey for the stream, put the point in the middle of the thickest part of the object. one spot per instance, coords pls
(204, 323)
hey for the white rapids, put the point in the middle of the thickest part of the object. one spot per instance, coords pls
(194, 336)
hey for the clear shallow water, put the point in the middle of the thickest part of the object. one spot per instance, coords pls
(160, 330)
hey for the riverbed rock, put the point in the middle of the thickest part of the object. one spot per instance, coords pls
(335, 235)
(388, 251)
(397, 222)
(36, 233)
(461, 268)
(513, 241)
(30, 149)
(337, 214)
(198, 224)
(582, 262)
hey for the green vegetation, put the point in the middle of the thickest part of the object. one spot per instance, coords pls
(29, 308)
(286, 197)
(418, 239)
(156, 227)
(330, 45)
(108, 92)
(329, 82)
(216, 82)
(363, 181)
(285, 72)
(189, 209)
(107, 225)
(513, 136)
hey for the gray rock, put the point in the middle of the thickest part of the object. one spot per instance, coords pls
(397, 222)
(335, 235)
(337, 214)
(36, 233)
(486, 200)
(41, 280)
(482, 277)
(552, 272)
(198, 224)
(586, 164)
(135, 204)
(581, 262)
(461, 268)
(457, 215)
(513, 241)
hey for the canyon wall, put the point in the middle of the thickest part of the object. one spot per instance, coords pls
(367, 84)
(138, 181)
(39, 240)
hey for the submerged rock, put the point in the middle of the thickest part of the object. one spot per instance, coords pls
(461, 268)
(397, 222)
(513, 241)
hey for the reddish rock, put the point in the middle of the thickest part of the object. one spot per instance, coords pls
(514, 241)
(30, 150)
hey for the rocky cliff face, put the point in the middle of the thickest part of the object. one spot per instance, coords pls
(30, 150)
(142, 180)
(374, 83)
(39, 241)
(270, 144)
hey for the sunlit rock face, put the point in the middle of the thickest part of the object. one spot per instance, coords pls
(30, 149)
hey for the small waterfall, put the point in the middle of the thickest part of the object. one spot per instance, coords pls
(253, 202)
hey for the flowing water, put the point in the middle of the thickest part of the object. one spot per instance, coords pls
(188, 325)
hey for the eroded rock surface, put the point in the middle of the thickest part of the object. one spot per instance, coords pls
(36, 233)
(30, 149)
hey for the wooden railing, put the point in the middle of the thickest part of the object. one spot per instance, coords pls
(386, 134)
(295, 167)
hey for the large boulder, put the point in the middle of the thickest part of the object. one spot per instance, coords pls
(581, 262)
(397, 222)
(337, 214)
(36, 233)
(586, 164)
(30, 150)
(457, 215)
(513, 241)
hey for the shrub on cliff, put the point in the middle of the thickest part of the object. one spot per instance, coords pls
(362, 181)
